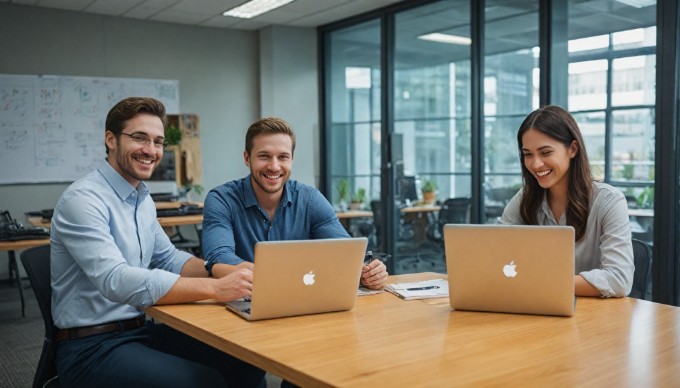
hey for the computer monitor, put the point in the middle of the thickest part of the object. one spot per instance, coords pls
(164, 178)
(408, 189)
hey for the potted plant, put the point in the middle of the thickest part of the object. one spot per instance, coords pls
(358, 199)
(173, 135)
(428, 188)
(190, 187)
(343, 193)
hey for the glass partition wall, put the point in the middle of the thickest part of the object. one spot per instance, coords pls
(399, 87)
(611, 75)
(511, 91)
(354, 114)
(431, 131)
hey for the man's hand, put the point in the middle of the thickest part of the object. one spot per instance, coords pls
(374, 275)
(237, 284)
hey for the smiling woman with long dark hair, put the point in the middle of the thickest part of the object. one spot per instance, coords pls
(559, 189)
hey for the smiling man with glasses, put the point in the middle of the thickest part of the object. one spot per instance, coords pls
(109, 257)
(142, 139)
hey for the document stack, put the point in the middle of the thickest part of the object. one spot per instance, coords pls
(437, 288)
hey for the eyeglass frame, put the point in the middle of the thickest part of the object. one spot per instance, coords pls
(143, 139)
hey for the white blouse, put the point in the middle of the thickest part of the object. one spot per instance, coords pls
(604, 256)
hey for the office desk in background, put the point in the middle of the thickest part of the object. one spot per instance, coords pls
(164, 221)
(354, 214)
(405, 210)
(13, 268)
(180, 220)
(386, 341)
(420, 215)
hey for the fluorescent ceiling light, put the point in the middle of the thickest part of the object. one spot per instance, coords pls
(446, 38)
(255, 7)
(638, 3)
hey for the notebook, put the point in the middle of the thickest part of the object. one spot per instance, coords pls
(511, 268)
(299, 277)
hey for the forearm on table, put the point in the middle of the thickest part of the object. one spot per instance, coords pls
(189, 290)
(583, 288)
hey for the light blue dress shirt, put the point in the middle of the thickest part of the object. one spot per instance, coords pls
(233, 220)
(109, 254)
(604, 256)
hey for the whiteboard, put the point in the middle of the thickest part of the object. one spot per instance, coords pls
(52, 127)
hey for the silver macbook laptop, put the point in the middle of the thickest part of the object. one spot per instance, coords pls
(299, 277)
(511, 268)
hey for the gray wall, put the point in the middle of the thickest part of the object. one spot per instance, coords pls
(288, 86)
(222, 75)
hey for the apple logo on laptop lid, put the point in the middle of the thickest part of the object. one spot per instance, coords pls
(509, 270)
(308, 278)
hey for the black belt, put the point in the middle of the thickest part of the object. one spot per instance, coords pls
(86, 331)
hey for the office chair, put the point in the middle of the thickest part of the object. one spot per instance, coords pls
(404, 231)
(405, 246)
(497, 199)
(186, 244)
(199, 234)
(642, 257)
(36, 261)
(452, 211)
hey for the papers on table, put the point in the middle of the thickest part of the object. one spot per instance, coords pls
(438, 288)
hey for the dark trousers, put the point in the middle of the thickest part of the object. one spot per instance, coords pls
(152, 356)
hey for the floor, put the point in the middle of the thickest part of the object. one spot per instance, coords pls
(21, 338)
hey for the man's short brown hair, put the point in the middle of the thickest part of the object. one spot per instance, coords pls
(268, 126)
(130, 107)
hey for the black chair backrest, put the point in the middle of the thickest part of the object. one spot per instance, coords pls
(36, 261)
(454, 211)
(642, 257)
(376, 208)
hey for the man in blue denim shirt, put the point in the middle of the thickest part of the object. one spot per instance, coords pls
(109, 257)
(267, 206)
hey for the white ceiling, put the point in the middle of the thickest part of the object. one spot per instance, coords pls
(208, 13)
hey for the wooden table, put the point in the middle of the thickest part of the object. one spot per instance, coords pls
(405, 210)
(13, 268)
(386, 341)
(420, 209)
(411, 213)
(180, 220)
(164, 221)
(175, 204)
(354, 214)
(39, 221)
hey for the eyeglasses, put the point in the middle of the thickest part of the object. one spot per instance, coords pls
(142, 139)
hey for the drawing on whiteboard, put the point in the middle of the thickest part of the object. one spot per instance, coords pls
(15, 103)
(52, 127)
(14, 139)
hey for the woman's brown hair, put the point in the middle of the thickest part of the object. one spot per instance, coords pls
(560, 125)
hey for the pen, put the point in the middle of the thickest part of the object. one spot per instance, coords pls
(422, 288)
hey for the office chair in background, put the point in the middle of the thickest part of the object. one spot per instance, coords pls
(497, 199)
(405, 247)
(642, 258)
(452, 211)
(404, 232)
(36, 261)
